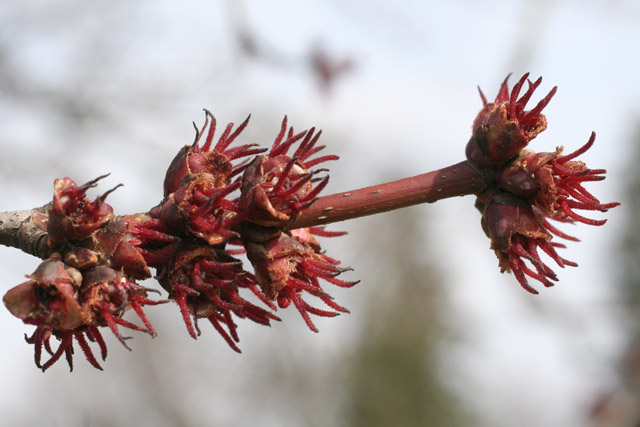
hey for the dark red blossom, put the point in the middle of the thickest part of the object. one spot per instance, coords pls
(71, 215)
(68, 304)
(152, 239)
(288, 265)
(215, 160)
(503, 127)
(554, 184)
(527, 189)
(49, 297)
(204, 282)
(108, 294)
(49, 301)
(277, 186)
(198, 207)
(517, 232)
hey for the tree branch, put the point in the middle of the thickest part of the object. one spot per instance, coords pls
(457, 180)
(24, 230)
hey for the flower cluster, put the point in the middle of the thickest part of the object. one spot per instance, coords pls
(88, 283)
(530, 189)
(220, 201)
(192, 236)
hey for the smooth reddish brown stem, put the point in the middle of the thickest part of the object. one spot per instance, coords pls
(458, 180)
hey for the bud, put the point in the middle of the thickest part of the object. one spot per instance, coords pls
(287, 265)
(213, 160)
(554, 184)
(113, 243)
(517, 231)
(108, 294)
(49, 300)
(276, 187)
(204, 282)
(71, 215)
(503, 127)
(49, 297)
(198, 207)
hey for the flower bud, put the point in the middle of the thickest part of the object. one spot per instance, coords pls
(287, 265)
(204, 282)
(503, 128)
(198, 207)
(213, 160)
(276, 186)
(71, 215)
(517, 231)
(49, 298)
(108, 294)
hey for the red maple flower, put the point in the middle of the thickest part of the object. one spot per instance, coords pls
(199, 208)
(215, 160)
(204, 282)
(554, 184)
(277, 186)
(108, 293)
(288, 265)
(71, 215)
(517, 232)
(503, 127)
(534, 189)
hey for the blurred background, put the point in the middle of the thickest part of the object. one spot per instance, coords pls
(436, 335)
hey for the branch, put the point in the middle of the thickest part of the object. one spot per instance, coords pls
(22, 230)
(460, 179)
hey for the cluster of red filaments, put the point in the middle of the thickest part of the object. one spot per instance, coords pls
(191, 237)
(532, 189)
(527, 120)
(41, 338)
(292, 264)
(205, 283)
(72, 304)
(216, 197)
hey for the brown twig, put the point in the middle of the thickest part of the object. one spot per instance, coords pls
(20, 229)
